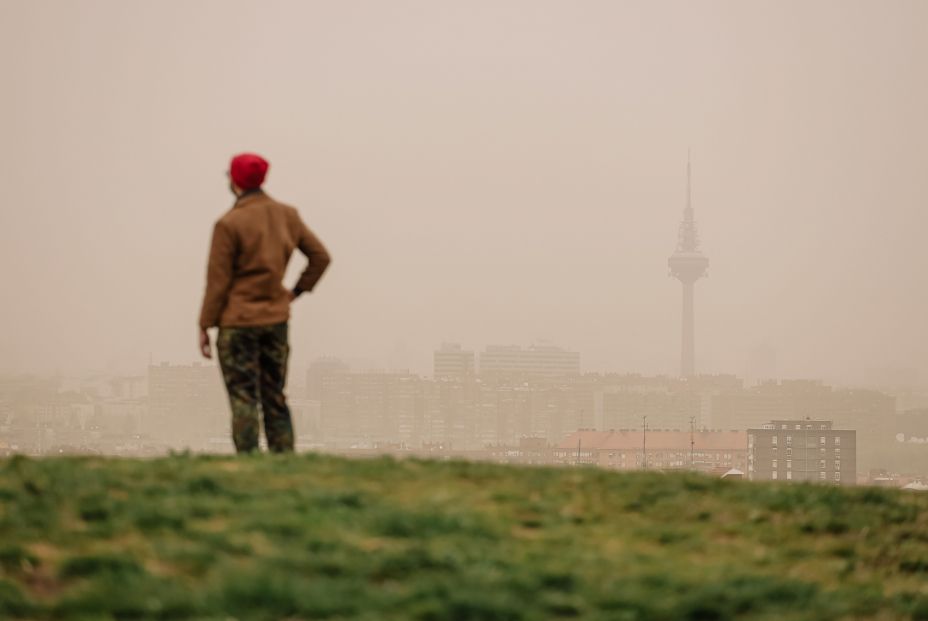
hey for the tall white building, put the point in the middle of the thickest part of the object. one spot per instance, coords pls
(536, 360)
(452, 361)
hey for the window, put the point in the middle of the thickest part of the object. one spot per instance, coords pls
(789, 464)
(773, 475)
(789, 440)
(789, 452)
(837, 476)
(822, 450)
(798, 426)
(837, 464)
(821, 475)
(774, 464)
(821, 440)
(789, 475)
(837, 453)
(773, 440)
(821, 464)
(837, 441)
(782, 426)
(823, 427)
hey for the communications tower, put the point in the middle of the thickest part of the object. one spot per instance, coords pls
(687, 264)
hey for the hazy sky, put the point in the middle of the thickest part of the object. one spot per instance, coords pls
(482, 172)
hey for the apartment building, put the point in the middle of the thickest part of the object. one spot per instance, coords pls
(802, 450)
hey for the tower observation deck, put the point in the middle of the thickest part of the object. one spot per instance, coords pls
(687, 264)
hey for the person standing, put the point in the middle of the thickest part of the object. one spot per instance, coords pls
(245, 298)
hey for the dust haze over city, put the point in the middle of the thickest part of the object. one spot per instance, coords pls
(489, 173)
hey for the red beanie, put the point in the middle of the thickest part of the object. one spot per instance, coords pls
(248, 170)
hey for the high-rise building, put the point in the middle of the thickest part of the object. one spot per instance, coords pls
(868, 412)
(370, 408)
(687, 264)
(667, 408)
(802, 450)
(872, 414)
(318, 370)
(452, 361)
(536, 360)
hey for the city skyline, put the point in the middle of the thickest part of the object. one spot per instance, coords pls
(522, 188)
(889, 378)
(479, 414)
(361, 310)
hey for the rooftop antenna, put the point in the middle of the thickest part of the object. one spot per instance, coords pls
(644, 440)
(693, 442)
(689, 187)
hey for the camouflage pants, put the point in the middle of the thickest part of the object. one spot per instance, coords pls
(253, 360)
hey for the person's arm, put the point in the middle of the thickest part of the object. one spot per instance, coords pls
(218, 280)
(319, 258)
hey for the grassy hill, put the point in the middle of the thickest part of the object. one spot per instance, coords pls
(270, 537)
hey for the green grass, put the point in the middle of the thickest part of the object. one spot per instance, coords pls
(317, 537)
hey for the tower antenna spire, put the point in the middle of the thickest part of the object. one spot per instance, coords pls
(688, 265)
(689, 188)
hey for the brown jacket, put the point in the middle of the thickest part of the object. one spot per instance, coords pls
(250, 249)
